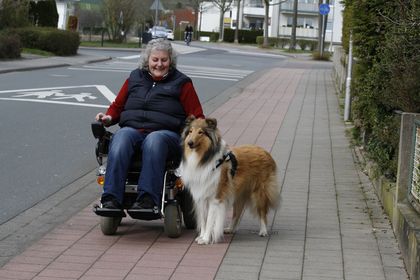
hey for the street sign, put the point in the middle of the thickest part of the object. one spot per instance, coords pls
(324, 9)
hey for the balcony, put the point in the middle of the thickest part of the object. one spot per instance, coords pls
(254, 11)
(304, 33)
(303, 8)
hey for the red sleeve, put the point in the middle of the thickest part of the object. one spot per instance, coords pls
(190, 101)
(118, 104)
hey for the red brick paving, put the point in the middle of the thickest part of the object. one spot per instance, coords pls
(77, 249)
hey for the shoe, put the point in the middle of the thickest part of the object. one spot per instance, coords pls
(145, 209)
(109, 207)
(110, 203)
(144, 202)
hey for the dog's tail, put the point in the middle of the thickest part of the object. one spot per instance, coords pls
(273, 191)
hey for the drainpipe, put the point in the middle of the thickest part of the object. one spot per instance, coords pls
(347, 101)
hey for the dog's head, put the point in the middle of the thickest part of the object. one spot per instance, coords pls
(201, 136)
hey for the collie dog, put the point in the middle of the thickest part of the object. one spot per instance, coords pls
(218, 177)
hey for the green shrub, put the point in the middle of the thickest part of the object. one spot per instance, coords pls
(325, 56)
(274, 41)
(244, 36)
(283, 42)
(59, 42)
(303, 44)
(10, 46)
(386, 75)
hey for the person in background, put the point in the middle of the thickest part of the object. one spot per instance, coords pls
(151, 108)
(188, 33)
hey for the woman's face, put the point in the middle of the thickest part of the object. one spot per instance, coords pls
(159, 62)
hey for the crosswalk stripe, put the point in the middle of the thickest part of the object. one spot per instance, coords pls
(213, 73)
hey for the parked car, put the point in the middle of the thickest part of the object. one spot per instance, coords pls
(170, 34)
(158, 32)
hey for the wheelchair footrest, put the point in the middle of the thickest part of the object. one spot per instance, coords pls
(145, 214)
(106, 212)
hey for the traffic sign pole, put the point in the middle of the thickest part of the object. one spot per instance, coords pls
(324, 9)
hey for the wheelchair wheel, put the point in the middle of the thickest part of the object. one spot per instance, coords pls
(109, 225)
(173, 221)
(187, 207)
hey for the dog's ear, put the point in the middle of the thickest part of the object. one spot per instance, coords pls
(187, 124)
(189, 120)
(212, 123)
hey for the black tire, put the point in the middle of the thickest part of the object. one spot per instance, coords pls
(187, 207)
(109, 225)
(173, 221)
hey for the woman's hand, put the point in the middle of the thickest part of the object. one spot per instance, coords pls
(105, 119)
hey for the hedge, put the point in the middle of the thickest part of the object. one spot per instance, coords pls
(386, 43)
(59, 42)
(10, 46)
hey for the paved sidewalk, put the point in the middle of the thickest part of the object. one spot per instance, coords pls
(33, 62)
(330, 224)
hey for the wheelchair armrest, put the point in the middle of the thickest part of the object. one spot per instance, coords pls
(98, 129)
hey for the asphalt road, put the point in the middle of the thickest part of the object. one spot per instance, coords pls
(45, 115)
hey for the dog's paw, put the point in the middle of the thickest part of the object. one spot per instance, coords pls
(263, 233)
(228, 230)
(203, 242)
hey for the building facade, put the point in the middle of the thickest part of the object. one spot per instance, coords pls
(251, 16)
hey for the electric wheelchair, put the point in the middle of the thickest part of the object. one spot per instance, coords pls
(177, 204)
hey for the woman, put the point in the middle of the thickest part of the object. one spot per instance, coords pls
(151, 108)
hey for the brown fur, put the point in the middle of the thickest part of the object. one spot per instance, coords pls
(254, 183)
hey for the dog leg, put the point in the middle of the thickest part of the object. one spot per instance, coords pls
(214, 224)
(238, 208)
(263, 226)
(219, 222)
(201, 214)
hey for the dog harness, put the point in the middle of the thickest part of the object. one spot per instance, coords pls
(229, 157)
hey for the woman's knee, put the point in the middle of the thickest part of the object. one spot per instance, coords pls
(122, 142)
(162, 142)
(155, 142)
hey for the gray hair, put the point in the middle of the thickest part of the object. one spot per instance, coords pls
(159, 44)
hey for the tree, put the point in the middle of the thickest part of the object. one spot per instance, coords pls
(294, 25)
(13, 13)
(266, 10)
(266, 17)
(196, 7)
(238, 9)
(119, 17)
(89, 18)
(224, 6)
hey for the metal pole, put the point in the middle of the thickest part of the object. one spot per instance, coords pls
(157, 13)
(347, 100)
(322, 36)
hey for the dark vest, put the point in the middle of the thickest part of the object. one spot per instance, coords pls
(154, 105)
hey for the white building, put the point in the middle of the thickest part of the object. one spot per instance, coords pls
(65, 8)
(251, 16)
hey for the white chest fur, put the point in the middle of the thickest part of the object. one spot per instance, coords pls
(201, 180)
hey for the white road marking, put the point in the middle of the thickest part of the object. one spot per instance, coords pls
(211, 73)
(55, 102)
(55, 95)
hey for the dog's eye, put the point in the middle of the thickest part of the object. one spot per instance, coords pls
(200, 132)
